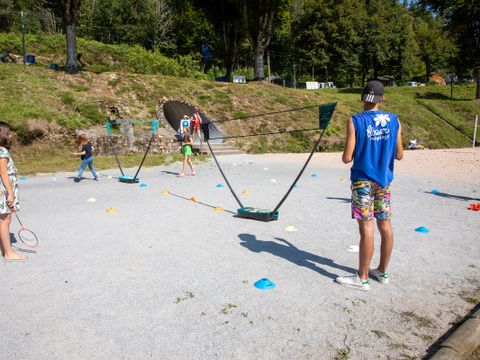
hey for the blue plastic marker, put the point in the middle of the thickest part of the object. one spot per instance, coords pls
(422, 229)
(264, 284)
(220, 186)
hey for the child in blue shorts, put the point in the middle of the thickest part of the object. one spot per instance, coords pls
(374, 141)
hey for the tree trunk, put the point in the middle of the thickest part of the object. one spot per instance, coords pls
(427, 66)
(258, 18)
(71, 48)
(259, 55)
(478, 83)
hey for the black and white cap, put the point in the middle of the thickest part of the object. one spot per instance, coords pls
(373, 92)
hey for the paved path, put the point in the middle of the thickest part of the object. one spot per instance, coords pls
(166, 278)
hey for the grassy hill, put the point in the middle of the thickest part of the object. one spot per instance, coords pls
(39, 101)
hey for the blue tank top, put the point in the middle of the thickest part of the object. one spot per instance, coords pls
(375, 147)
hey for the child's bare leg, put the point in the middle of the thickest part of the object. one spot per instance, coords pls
(386, 247)
(366, 228)
(184, 167)
(5, 238)
(191, 165)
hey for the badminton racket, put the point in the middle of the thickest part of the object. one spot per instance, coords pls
(26, 235)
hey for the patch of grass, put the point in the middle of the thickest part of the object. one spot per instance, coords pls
(380, 334)
(282, 100)
(113, 82)
(204, 97)
(240, 113)
(90, 111)
(188, 295)
(227, 308)
(67, 97)
(471, 299)
(342, 354)
(79, 87)
(421, 321)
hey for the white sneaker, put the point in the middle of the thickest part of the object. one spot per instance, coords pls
(379, 276)
(354, 281)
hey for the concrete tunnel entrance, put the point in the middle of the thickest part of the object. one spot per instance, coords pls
(174, 110)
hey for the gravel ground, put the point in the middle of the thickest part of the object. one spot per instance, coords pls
(163, 277)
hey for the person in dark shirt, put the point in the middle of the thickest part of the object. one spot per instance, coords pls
(86, 155)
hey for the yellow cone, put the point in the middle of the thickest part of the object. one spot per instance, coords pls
(165, 192)
(246, 192)
(219, 209)
(111, 210)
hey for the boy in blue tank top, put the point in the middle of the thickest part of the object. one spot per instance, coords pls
(374, 141)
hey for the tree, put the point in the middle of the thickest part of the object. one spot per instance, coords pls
(191, 28)
(160, 20)
(434, 47)
(310, 34)
(227, 19)
(462, 21)
(6, 15)
(71, 16)
(259, 16)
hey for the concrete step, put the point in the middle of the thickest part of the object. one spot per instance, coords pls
(219, 149)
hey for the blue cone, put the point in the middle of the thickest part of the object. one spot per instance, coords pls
(422, 229)
(314, 175)
(219, 185)
(23, 178)
(264, 284)
(143, 185)
(436, 192)
(296, 186)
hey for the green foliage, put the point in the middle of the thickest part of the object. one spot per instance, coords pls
(91, 112)
(72, 121)
(67, 97)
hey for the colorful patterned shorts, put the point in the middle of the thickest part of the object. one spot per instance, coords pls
(370, 200)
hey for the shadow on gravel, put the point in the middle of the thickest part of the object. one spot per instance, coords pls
(200, 203)
(344, 200)
(450, 196)
(293, 254)
(169, 172)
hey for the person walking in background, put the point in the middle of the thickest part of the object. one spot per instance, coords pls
(86, 155)
(374, 141)
(8, 194)
(187, 152)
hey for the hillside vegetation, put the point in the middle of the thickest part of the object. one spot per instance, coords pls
(38, 101)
